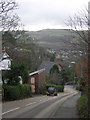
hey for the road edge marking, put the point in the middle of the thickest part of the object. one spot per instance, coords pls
(30, 104)
(10, 110)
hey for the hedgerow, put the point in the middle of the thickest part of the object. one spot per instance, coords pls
(14, 92)
(83, 106)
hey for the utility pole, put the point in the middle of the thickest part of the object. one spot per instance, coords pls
(88, 59)
(0, 73)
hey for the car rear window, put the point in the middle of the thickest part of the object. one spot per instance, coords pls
(51, 89)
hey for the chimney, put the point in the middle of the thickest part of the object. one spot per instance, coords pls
(3, 49)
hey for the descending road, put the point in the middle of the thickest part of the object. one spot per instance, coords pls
(41, 106)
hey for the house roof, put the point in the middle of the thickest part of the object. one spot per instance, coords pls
(47, 65)
(3, 55)
(37, 72)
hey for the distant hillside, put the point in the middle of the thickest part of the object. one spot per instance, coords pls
(55, 38)
(28, 46)
(50, 32)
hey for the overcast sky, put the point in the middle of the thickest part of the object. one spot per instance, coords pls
(48, 14)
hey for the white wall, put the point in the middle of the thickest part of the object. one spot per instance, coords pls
(5, 64)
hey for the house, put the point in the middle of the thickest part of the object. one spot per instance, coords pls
(5, 61)
(37, 80)
(47, 65)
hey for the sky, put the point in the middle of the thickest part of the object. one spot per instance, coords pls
(48, 14)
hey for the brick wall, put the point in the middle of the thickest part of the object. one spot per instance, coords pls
(39, 78)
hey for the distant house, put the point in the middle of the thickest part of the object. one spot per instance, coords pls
(5, 61)
(37, 80)
(47, 65)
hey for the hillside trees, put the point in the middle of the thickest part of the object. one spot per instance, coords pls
(8, 37)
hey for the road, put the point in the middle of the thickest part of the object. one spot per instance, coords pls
(43, 106)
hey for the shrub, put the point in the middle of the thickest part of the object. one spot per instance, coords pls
(22, 91)
(43, 90)
(11, 92)
(20, 69)
(27, 89)
(50, 85)
(60, 88)
(14, 92)
(83, 106)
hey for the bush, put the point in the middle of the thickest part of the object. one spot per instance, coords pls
(14, 92)
(83, 106)
(43, 90)
(27, 89)
(60, 88)
(11, 92)
(20, 69)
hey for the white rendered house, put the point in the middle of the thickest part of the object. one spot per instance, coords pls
(5, 61)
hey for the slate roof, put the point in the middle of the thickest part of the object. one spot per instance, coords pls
(47, 65)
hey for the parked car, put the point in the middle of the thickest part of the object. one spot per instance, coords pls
(52, 91)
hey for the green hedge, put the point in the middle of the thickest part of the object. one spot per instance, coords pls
(14, 92)
(83, 106)
(60, 88)
(43, 90)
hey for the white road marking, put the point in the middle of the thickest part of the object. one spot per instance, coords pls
(0, 92)
(30, 103)
(10, 110)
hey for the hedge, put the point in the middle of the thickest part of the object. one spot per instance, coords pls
(59, 88)
(14, 92)
(43, 90)
(83, 106)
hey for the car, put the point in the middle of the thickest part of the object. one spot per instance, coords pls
(51, 91)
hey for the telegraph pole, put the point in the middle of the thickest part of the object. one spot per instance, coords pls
(89, 59)
(0, 72)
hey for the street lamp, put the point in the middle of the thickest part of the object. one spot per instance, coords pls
(81, 74)
(73, 62)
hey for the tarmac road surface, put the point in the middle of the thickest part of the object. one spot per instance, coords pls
(61, 106)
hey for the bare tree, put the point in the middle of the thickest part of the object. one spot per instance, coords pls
(8, 18)
(79, 24)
